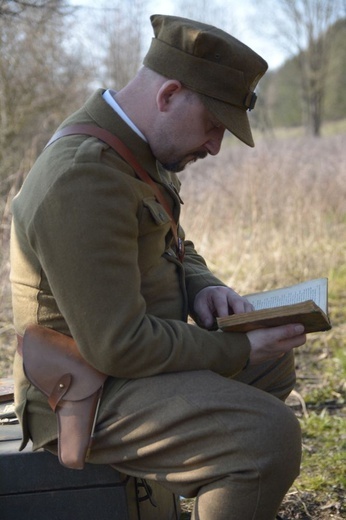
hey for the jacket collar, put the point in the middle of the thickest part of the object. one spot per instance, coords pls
(103, 115)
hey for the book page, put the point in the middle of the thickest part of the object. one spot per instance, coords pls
(316, 290)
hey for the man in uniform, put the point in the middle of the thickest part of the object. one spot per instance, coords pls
(96, 256)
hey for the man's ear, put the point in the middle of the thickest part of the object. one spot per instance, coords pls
(164, 95)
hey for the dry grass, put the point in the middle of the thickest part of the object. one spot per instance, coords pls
(272, 215)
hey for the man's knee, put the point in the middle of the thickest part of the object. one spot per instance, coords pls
(275, 377)
(284, 446)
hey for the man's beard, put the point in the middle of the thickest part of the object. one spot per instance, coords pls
(179, 165)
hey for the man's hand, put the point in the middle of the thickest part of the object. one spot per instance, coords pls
(217, 301)
(272, 343)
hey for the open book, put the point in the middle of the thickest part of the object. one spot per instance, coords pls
(305, 303)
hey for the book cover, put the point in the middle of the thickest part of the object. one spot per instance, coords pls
(305, 303)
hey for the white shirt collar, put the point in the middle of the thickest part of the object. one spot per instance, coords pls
(107, 95)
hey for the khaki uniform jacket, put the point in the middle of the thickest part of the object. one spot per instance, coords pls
(92, 257)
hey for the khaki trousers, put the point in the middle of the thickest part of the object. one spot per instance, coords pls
(231, 443)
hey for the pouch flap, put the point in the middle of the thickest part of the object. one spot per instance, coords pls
(157, 211)
(49, 355)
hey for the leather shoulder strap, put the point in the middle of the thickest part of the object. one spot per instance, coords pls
(117, 145)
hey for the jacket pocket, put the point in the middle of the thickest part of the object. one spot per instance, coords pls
(157, 212)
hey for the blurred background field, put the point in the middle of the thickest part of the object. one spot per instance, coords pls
(271, 217)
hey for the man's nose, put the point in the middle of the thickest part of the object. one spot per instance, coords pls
(215, 141)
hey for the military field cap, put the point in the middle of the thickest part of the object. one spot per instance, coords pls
(223, 70)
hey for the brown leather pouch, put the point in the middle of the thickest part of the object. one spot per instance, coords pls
(54, 365)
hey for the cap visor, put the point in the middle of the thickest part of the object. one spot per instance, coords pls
(233, 118)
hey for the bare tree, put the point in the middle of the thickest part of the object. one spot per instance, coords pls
(41, 80)
(300, 27)
(118, 34)
(15, 8)
(121, 32)
(203, 10)
(218, 13)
